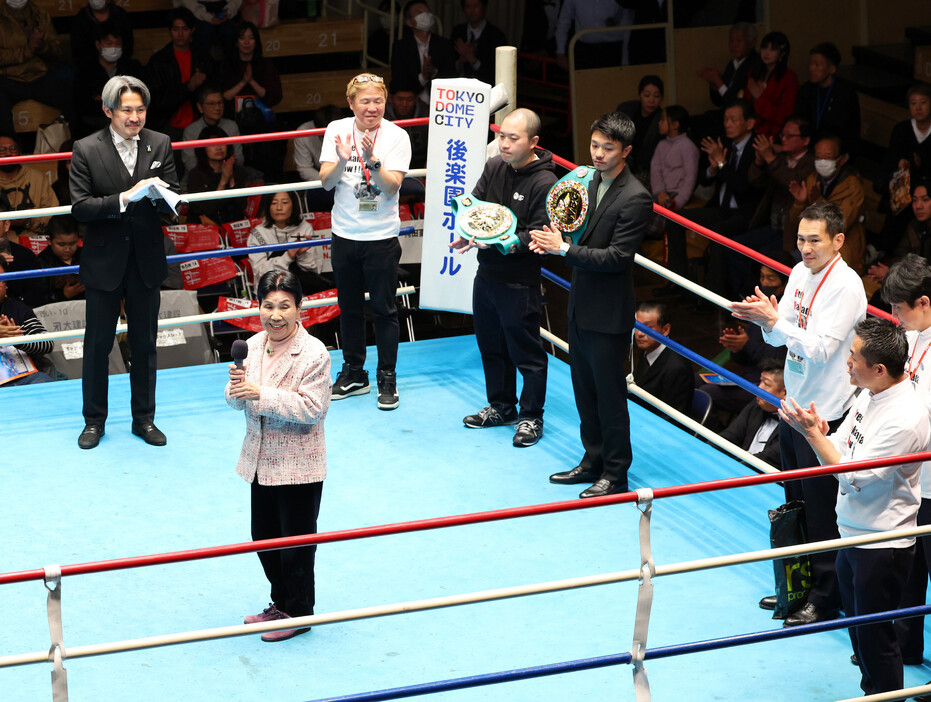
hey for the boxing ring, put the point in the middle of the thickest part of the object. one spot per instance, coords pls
(445, 555)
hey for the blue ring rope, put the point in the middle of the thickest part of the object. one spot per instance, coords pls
(688, 353)
(220, 253)
(624, 658)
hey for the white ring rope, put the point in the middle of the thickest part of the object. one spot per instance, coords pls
(468, 598)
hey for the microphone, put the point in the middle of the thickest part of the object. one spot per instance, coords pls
(239, 350)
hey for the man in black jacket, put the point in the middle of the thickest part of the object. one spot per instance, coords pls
(506, 293)
(601, 306)
(476, 42)
(828, 101)
(756, 428)
(663, 373)
(421, 52)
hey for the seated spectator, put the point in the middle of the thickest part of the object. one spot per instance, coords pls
(476, 41)
(645, 112)
(917, 238)
(420, 52)
(835, 180)
(88, 19)
(307, 158)
(910, 150)
(746, 346)
(827, 101)
(30, 49)
(23, 187)
(772, 85)
(404, 103)
(245, 71)
(756, 428)
(93, 73)
(18, 258)
(725, 88)
(674, 167)
(62, 186)
(283, 223)
(217, 170)
(214, 22)
(210, 104)
(596, 49)
(176, 72)
(664, 374)
(63, 249)
(18, 319)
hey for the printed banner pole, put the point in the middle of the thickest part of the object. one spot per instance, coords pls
(459, 116)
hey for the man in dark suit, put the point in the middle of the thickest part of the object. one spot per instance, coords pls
(756, 427)
(663, 373)
(420, 52)
(476, 41)
(114, 173)
(601, 306)
(726, 87)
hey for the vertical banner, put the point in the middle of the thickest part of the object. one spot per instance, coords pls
(455, 160)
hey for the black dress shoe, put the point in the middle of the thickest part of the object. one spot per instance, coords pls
(603, 487)
(575, 476)
(150, 434)
(854, 660)
(809, 614)
(768, 603)
(90, 436)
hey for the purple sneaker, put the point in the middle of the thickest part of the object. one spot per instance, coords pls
(272, 636)
(271, 612)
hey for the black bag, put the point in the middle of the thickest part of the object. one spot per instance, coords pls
(793, 574)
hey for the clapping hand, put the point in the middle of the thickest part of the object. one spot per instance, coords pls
(343, 147)
(715, 150)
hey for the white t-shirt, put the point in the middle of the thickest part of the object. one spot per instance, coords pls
(889, 423)
(393, 149)
(819, 336)
(919, 369)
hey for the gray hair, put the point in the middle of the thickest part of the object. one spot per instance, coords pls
(749, 30)
(113, 91)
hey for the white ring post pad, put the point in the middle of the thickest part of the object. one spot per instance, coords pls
(56, 653)
(644, 597)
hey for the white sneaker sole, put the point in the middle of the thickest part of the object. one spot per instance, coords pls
(365, 390)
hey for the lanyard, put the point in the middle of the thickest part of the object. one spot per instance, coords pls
(365, 169)
(801, 302)
(912, 371)
(821, 109)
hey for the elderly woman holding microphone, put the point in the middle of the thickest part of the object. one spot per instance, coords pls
(284, 389)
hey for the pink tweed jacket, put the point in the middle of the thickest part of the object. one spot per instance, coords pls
(284, 442)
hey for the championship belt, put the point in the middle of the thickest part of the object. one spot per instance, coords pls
(490, 224)
(567, 202)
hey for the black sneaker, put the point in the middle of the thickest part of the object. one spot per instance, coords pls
(387, 390)
(529, 432)
(489, 417)
(350, 381)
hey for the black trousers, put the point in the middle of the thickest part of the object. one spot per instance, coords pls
(911, 632)
(140, 303)
(373, 266)
(820, 496)
(871, 580)
(596, 362)
(507, 328)
(287, 510)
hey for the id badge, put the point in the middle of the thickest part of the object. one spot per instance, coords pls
(795, 363)
(368, 205)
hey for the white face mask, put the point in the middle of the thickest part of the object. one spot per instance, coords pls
(16, 4)
(423, 21)
(111, 54)
(98, 5)
(826, 167)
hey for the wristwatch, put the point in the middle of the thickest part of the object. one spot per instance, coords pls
(720, 165)
(563, 248)
(374, 165)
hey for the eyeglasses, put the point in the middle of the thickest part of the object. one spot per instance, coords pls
(12, 150)
(785, 135)
(368, 78)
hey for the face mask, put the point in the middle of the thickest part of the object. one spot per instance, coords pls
(16, 4)
(825, 167)
(423, 21)
(98, 5)
(769, 290)
(111, 54)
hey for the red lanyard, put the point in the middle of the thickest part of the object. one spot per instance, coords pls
(811, 304)
(365, 169)
(912, 371)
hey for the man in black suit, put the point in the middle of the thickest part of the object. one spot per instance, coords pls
(114, 173)
(828, 101)
(420, 52)
(756, 427)
(663, 373)
(726, 87)
(476, 41)
(601, 306)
